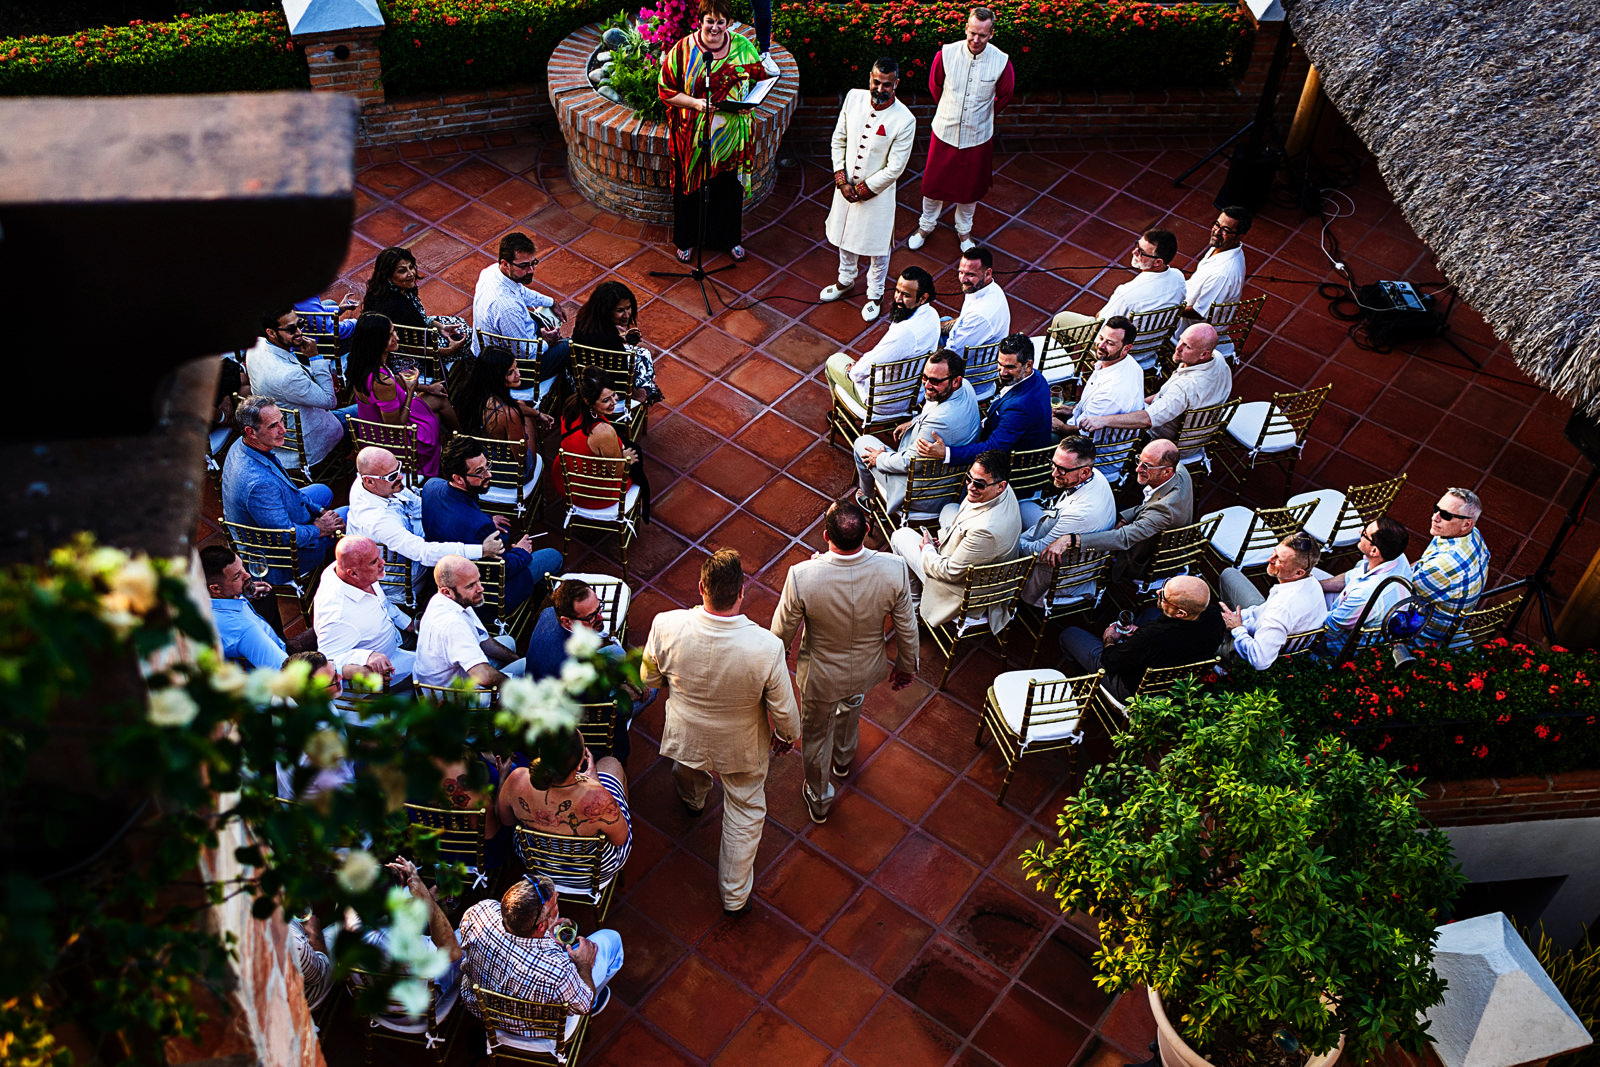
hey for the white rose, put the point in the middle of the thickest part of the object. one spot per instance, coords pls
(537, 707)
(360, 870)
(172, 707)
(291, 681)
(137, 580)
(325, 748)
(227, 677)
(583, 643)
(577, 677)
(115, 614)
(104, 562)
(258, 686)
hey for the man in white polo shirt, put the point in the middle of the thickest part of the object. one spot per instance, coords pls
(452, 641)
(358, 629)
(985, 316)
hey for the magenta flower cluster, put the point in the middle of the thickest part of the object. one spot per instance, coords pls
(666, 23)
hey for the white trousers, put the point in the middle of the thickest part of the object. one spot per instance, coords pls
(930, 216)
(877, 272)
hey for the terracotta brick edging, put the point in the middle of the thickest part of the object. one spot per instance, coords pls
(621, 162)
(1488, 801)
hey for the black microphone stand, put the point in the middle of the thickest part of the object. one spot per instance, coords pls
(699, 272)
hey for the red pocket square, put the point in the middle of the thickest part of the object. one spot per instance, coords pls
(882, 132)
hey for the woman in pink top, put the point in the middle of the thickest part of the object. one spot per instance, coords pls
(395, 397)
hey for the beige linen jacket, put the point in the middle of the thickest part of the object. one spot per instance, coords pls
(842, 600)
(981, 533)
(729, 689)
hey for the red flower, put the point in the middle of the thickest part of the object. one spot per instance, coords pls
(1541, 731)
(1475, 682)
(1481, 751)
(1459, 739)
(1499, 694)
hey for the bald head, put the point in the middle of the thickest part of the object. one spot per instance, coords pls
(1185, 596)
(374, 460)
(1196, 344)
(458, 579)
(356, 560)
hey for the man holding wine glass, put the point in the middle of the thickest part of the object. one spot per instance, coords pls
(246, 636)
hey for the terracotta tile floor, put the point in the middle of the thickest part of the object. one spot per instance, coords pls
(903, 931)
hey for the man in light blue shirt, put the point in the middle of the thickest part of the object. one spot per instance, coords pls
(1383, 555)
(502, 303)
(246, 636)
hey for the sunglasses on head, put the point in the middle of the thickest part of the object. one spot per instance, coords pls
(537, 888)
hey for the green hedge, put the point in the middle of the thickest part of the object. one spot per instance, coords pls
(225, 52)
(453, 45)
(1053, 44)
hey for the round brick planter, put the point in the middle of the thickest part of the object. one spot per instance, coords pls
(623, 163)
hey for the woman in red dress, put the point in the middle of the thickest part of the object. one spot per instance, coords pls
(586, 430)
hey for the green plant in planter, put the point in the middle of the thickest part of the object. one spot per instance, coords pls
(1265, 884)
(633, 69)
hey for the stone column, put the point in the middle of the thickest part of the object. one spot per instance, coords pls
(345, 61)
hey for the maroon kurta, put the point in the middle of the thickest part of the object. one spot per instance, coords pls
(962, 175)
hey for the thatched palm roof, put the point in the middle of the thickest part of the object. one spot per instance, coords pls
(1484, 117)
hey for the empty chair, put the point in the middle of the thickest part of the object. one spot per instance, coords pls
(1155, 330)
(1177, 551)
(1077, 584)
(1065, 352)
(1035, 711)
(421, 347)
(991, 586)
(1337, 519)
(1156, 682)
(1245, 538)
(1199, 428)
(457, 831)
(1271, 431)
(1233, 322)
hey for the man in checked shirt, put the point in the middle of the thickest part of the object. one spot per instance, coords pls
(510, 946)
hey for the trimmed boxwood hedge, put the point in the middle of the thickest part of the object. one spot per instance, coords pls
(453, 45)
(226, 52)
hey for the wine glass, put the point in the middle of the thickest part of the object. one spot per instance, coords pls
(258, 572)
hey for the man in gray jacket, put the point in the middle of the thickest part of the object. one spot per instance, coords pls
(950, 410)
(1168, 503)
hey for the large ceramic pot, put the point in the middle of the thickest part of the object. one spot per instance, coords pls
(1175, 1051)
(622, 163)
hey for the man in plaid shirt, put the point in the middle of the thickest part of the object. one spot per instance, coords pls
(510, 947)
(1453, 569)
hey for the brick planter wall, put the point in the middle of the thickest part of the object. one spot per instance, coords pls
(622, 162)
(1489, 801)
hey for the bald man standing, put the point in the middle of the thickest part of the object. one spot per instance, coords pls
(1184, 625)
(358, 628)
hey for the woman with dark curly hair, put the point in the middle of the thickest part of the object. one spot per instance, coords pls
(608, 320)
(566, 791)
(383, 395)
(487, 408)
(392, 291)
(586, 430)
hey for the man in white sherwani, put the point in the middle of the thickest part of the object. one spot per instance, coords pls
(871, 147)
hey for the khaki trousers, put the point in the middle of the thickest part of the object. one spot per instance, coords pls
(830, 730)
(837, 369)
(744, 813)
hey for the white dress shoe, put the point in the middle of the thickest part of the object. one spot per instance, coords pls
(967, 243)
(869, 311)
(833, 292)
(917, 239)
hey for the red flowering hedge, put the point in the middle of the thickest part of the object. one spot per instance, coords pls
(1505, 709)
(1053, 44)
(453, 45)
(224, 52)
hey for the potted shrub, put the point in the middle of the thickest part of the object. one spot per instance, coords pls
(1278, 892)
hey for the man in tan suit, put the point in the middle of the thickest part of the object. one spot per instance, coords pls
(729, 706)
(842, 596)
(984, 529)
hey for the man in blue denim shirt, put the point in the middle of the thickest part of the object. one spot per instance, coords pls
(450, 512)
(257, 491)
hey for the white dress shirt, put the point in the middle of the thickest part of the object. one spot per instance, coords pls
(1192, 385)
(449, 642)
(1217, 279)
(1091, 508)
(1291, 608)
(1360, 582)
(395, 522)
(352, 624)
(916, 336)
(500, 306)
(1111, 390)
(307, 388)
(985, 318)
(1148, 291)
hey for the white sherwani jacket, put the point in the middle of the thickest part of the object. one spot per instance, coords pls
(872, 147)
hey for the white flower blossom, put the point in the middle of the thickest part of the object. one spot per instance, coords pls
(115, 614)
(325, 748)
(577, 676)
(103, 562)
(258, 686)
(583, 643)
(291, 681)
(138, 581)
(408, 946)
(172, 707)
(227, 677)
(538, 707)
(360, 870)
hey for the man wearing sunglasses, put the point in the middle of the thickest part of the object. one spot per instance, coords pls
(949, 410)
(1259, 625)
(1454, 567)
(504, 305)
(385, 509)
(984, 528)
(575, 603)
(1086, 505)
(284, 365)
(510, 946)
(1183, 626)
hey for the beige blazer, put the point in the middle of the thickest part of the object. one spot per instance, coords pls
(981, 533)
(842, 600)
(729, 689)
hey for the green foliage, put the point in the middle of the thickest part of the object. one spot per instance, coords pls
(103, 922)
(1257, 880)
(1576, 973)
(225, 52)
(452, 45)
(1503, 709)
(636, 76)
(1053, 44)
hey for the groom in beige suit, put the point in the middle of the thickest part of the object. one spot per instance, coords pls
(842, 595)
(985, 528)
(730, 705)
